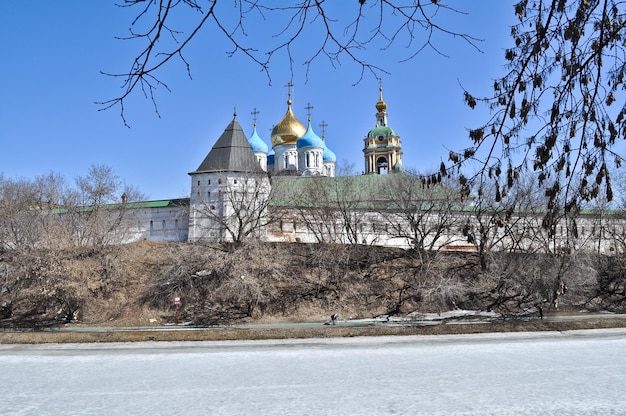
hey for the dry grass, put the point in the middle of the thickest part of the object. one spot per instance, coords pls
(321, 331)
(284, 284)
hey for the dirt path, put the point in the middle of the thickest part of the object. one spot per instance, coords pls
(77, 333)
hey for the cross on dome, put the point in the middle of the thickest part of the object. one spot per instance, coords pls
(323, 125)
(289, 85)
(308, 109)
(254, 113)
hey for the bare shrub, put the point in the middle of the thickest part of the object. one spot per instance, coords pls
(516, 282)
(217, 283)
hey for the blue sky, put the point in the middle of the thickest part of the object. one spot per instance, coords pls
(53, 52)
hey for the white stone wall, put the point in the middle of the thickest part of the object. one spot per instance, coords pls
(167, 224)
(605, 235)
(178, 223)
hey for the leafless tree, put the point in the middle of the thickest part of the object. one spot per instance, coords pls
(485, 226)
(332, 209)
(55, 248)
(236, 209)
(518, 283)
(559, 109)
(19, 229)
(97, 212)
(425, 215)
(343, 33)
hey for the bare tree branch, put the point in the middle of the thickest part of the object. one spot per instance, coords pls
(553, 111)
(341, 36)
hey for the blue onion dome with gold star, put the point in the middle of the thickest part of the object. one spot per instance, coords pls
(256, 143)
(310, 139)
(288, 130)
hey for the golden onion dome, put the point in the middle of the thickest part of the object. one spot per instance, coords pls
(381, 105)
(288, 130)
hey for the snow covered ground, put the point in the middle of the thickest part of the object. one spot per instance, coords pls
(573, 373)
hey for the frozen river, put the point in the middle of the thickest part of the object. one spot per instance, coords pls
(576, 373)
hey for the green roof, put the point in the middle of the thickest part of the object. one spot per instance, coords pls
(357, 192)
(162, 203)
(381, 131)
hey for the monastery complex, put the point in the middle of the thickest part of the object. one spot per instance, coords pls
(289, 193)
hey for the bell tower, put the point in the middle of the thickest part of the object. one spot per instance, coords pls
(382, 147)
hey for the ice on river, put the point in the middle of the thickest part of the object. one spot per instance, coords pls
(574, 373)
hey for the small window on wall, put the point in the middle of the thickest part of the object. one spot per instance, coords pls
(208, 195)
(198, 183)
(219, 181)
(235, 181)
(209, 181)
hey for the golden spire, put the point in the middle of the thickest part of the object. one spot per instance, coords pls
(381, 105)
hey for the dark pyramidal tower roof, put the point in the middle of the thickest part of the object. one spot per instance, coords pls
(231, 153)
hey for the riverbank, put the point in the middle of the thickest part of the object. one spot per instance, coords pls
(81, 334)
